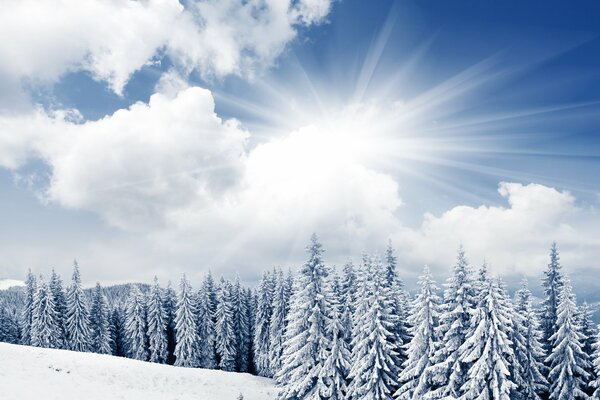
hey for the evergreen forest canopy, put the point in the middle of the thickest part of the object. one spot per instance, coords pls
(325, 334)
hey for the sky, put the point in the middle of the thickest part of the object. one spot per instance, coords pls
(159, 137)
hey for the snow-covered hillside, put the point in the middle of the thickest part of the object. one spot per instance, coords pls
(8, 283)
(34, 373)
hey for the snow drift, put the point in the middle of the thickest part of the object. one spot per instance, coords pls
(35, 373)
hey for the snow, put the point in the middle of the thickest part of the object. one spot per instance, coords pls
(8, 283)
(35, 373)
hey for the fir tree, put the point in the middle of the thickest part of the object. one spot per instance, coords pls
(261, 330)
(78, 315)
(117, 333)
(373, 373)
(45, 328)
(170, 305)
(488, 348)
(99, 323)
(206, 327)
(306, 346)
(9, 327)
(60, 303)
(27, 311)
(589, 333)
(278, 320)
(568, 363)
(336, 367)
(595, 382)
(186, 328)
(448, 372)
(348, 300)
(400, 306)
(241, 327)
(135, 325)
(424, 321)
(528, 367)
(157, 325)
(225, 334)
(552, 283)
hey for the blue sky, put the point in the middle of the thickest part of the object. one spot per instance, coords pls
(169, 138)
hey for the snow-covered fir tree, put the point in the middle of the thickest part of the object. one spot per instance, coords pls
(264, 310)
(306, 343)
(424, 321)
(334, 374)
(278, 320)
(117, 333)
(552, 283)
(348, 300)
(170, 305)
(45, 327)
(568, 363)
(488, 349)
(448, 372)
(224, 328)
(250, 296)
(157, 325)
(527, 366)
(135, 325)
(99, 323)
(206, 326)
(400, 304)
(187, 352)
(595, 381)
(27, 311)
(589, 333)
(60, 303)
(373, 373)
(9, 327)
(78, 315)
(241, 327)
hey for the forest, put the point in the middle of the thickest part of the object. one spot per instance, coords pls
(356, 333)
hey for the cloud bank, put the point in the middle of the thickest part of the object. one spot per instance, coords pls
(113, 39)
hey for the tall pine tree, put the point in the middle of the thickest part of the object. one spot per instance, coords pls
(306, 340)
(27, 311)
(186, 328)
(241, 328)
(78, 315)
(135, 325)
(157, 325)
(424, 320)
(552, 283)
(60, 303)
(528, 367)
(488, 349)
(448, 373)
(568, 363)
(225, 334)
(99, 323)
(278, 320)
(261, 331)
(206, 326)
(45, 327)
(336, 367)
(373, 373)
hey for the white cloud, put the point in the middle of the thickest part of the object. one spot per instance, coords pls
(513, 239)
(134, 165)
(113, 39)
(174, 172)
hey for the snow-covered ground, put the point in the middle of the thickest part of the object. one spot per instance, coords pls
(32, 373)
(8, 283)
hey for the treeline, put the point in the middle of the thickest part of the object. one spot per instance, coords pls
(352, 334)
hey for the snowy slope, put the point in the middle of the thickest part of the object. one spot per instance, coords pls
(32, 373)
(8, 283)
